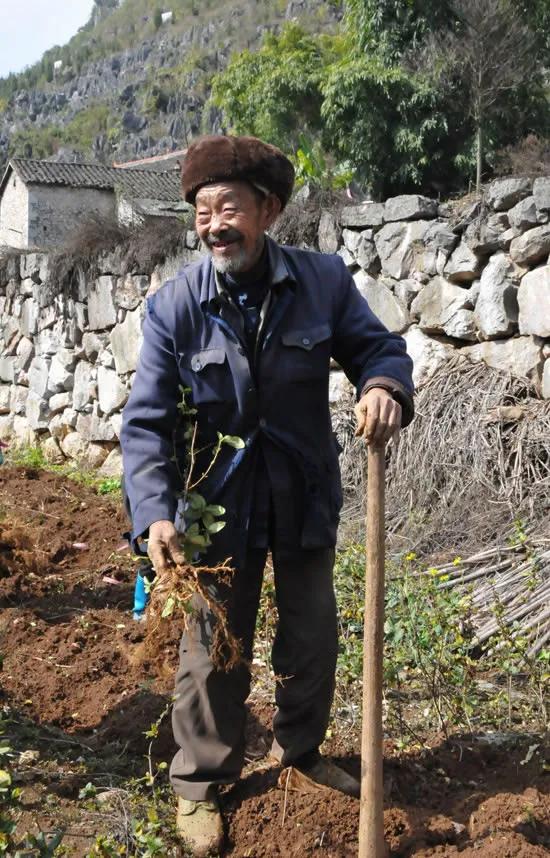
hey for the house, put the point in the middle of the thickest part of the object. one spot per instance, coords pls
(41, 202)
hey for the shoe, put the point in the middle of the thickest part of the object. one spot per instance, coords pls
(200, 825)
(328, 774)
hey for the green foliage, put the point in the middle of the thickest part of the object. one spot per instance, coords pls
(157, 19)
(389, 27)
(431, 656)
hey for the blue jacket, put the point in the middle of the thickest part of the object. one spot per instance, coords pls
(276, 400)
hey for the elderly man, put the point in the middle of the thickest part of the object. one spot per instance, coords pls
(250, 329)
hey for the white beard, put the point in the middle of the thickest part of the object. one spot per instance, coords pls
(236, 263)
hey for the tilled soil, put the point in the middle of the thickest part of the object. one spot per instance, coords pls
(74, 672)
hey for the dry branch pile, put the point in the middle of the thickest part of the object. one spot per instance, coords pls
(475, 460)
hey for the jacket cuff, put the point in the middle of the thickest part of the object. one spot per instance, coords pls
(399, 393)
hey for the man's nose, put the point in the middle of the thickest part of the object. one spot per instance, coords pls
(217, 224)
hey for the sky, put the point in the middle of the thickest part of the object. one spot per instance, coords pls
(30, 27)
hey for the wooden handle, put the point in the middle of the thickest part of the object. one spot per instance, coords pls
(371, 819)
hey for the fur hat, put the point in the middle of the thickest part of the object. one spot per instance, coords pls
(217, 158)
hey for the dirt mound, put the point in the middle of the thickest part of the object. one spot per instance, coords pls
(74, 668)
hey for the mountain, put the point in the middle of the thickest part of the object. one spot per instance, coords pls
(135, 80)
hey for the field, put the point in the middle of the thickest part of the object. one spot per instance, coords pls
(85, 719)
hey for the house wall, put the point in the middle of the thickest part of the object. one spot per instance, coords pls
(14, 207)
(54, 212)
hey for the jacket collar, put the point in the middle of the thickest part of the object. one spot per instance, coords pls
(279, 273)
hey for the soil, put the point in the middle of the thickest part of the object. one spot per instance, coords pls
(78, 688)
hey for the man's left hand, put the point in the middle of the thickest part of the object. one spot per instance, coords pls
(378, 417)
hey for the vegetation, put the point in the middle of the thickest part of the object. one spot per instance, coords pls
(389, 96)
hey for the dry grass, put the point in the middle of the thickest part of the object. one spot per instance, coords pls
(476, 458)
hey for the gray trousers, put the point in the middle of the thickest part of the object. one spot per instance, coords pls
(209, 715)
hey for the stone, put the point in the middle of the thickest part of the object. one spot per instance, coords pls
(83, 384)
(39, 371)
(406, 291)
(52, 452)
(5, 397)
(59, 401)
(351, 239)
(95, 455)
(523, 215)
(111, 391)
(383, 303)
(338, 387)
(130, 291)
(126, 341)
(18, 399)
(484, 236)
(502, 194)
(35, 266)
(191, 239)
(436, 304)
(26, 288)
(46, 317)
(74, 446)
(6, 427)
(116, 422)
(67, 358)
(461, 326)
(545, 386)
(541, 193)
(106, 359)
(69, 417)
(367, 256)
(29, 318)
(329, 233)
(94, 428)
(409, 207)
(531, 247)
(463, 265)
(398, 244)
(347, 258)
(59, 378)
(37, 411)
(80, 315)
(426, 353)
(23, 434)
(519, 356)
(534, 302)
(93, 344)
(364, 214)
(112, 466)
(7, 369)
(101, 308)
(496, 310)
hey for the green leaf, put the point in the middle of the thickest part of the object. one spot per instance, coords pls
(169, 606)
(196, 501)
(215, 509)
(216, 526)
(233, 441)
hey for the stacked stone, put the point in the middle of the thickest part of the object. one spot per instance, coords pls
(480, 284)
(67, 361)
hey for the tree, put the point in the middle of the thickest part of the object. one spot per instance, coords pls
(157, 19)
(493, 53)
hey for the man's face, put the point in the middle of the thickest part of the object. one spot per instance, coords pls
(231, 219)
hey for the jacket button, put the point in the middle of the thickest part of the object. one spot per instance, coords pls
(197, 365)
(306, 341)
(263, 422)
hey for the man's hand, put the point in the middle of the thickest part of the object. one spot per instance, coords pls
(378, 417)
(163, 546)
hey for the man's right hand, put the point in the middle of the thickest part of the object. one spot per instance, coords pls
(164, 546)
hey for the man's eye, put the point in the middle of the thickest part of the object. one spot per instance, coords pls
(229, 210)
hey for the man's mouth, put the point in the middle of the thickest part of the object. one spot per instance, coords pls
(221, 243)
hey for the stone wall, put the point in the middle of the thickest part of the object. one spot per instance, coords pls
(474, 279)
(14, 210)
(53, 211)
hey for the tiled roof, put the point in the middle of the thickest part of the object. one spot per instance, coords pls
(70, 175)
(144, 184)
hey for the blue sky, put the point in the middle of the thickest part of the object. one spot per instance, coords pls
(30, 27)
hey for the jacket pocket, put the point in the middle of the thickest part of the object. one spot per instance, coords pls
(204, 372)
(305, 354)
(306, 338)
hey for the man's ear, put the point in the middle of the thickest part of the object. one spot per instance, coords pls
(272, 209)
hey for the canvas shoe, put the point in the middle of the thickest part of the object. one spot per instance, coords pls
(200, 825)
